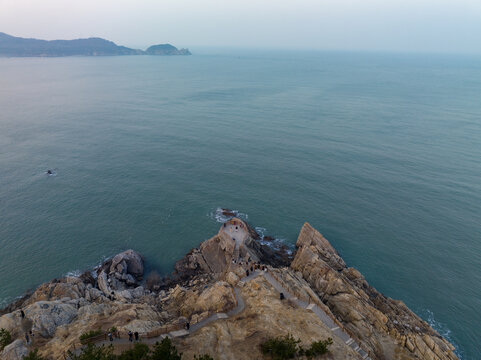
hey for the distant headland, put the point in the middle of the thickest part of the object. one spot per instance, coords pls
(11, 46)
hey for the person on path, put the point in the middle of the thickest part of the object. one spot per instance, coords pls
(26, 338)
(111, 338)
(136, 335)
(31, 335)
(282, 296)
(130, 336)
(22, 313)
(247, 272)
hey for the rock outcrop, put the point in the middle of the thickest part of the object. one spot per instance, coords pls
(215, 255)
(46, 316)
(231, 314)
(14, 351)
(383, 326)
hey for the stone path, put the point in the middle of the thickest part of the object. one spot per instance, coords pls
(240, 307)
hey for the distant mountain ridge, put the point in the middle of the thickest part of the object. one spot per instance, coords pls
(12, 46)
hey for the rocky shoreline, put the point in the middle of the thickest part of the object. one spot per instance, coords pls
(223, 299)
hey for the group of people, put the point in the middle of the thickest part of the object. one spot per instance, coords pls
(250, 266)
(132, 336)
(29, 335)
(234, 223)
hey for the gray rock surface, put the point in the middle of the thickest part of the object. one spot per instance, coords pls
(48, 315)
(129, 262)
(15, 351)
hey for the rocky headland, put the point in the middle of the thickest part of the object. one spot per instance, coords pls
(12, 46)
(225, 298)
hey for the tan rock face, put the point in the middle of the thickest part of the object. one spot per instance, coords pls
(377, 322)
(217, 298)
(11, 322)
(217, 252)
(213, 257)
(265, 316)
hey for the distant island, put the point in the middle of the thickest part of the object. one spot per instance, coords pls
(12, 46)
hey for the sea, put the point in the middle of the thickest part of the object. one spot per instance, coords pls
(381, 152)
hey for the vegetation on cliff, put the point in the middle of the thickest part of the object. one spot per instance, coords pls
(5, 338)
(287, 347)
(90, 334)
(164, 350)
(34, 355)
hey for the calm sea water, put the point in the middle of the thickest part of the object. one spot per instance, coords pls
(381, 153)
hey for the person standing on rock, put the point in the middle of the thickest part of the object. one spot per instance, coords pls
(136, 335)
(22, 314)
(27, 338)
(111, 338)
(130, 336)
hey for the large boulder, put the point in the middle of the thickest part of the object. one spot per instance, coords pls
(15, 351)
(103, 283)
(48, 315)
(217, 252)
(11, 321)
(213, 257)
(128, 262)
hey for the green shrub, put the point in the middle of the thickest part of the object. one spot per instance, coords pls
(139, 352)
(318, 348)
(165, 350)
(5, 338)
(203, 357)
(92, 352)
(33, 355)
(90, 334)
(283, 347)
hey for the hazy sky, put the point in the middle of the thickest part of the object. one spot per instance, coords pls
(400, 25)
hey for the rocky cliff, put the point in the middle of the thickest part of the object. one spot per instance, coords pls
(386, 328)
(224, 299)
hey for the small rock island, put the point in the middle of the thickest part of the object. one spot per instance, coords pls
(11, 46)
(224, 299)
